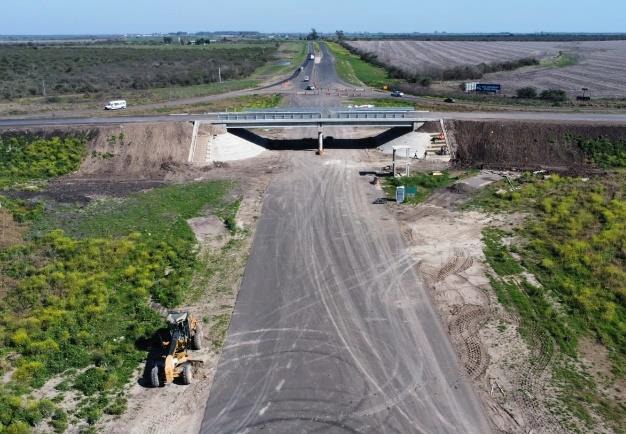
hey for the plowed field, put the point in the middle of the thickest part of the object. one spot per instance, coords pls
(600, 65)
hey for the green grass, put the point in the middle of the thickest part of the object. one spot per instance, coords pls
(499, 258)
(160, 213)
(292, 54)
(247, 102)
(575, 247)
(182, 92)
(543, 321)
(78, 293)
(424, 183)
(355, 71)
(560, 61)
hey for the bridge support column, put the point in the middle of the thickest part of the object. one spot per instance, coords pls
(320, 142)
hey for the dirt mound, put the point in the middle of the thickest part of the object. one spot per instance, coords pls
(430, 127)
(524, 145)
(139, 151)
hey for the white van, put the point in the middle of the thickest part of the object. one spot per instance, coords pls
(116, 105)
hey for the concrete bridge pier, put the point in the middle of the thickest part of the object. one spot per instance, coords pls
(320, 141)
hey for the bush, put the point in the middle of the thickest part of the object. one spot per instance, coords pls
(602, 151)
(526, 92)
(554, 95)
(426, 82)
(24, 157)
(91, 381)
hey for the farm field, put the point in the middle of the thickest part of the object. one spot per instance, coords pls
(597, 65)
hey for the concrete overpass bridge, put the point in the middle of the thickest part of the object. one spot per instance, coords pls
(366, 118)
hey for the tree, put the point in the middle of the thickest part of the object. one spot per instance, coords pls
(340, 35)
(313, 36)
(527, 92)
(426, 81)
(167, 39)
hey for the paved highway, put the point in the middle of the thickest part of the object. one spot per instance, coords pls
(333, 331)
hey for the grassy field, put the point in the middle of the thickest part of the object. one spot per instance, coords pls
(76, 288)
(356, 71)
(423, 183)
(241, 103)
(290, 55)
(572, 241)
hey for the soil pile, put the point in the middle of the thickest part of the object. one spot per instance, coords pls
(138, 151)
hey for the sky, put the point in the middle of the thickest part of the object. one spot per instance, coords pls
(44, 17)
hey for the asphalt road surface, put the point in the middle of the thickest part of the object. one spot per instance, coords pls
(333, 330)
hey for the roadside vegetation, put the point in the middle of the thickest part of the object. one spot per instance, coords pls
(572, 242)
(418, 186)
(77, 290)
(237, 104)
(552, 95)
(354, 70)
(561, 60)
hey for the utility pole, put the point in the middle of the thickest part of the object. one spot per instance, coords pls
(43, 87)
(219, 73)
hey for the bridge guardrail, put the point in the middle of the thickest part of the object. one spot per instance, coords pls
(372, 114)
(268, 115)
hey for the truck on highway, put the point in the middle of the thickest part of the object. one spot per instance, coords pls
(312, 56)
(307, 78)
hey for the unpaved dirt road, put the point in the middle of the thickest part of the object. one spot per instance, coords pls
(333, 330)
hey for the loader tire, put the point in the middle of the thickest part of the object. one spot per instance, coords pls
(187, 374)
(154, 376)
(196, 339)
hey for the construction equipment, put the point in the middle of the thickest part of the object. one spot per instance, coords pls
(184, 332)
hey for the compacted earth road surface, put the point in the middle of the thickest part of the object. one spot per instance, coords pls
(333, 330)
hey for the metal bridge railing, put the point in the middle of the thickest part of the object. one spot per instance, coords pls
(371, 114)
(268, 115)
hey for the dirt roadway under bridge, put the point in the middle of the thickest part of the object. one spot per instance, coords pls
(333, 329)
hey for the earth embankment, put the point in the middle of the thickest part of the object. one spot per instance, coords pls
(524, 145)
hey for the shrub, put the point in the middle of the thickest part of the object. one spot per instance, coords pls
(91, 381)
(554, 95)
(34, 157)
(526, 92)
